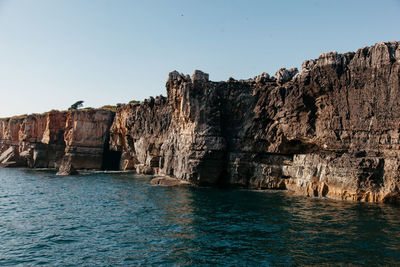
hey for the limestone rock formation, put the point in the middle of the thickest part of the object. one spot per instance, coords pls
(9, 157)
(198, 75)
(283, 75)
(79, 138)
(263, 77)
(138, 132)
(85, 135)
(330, 130)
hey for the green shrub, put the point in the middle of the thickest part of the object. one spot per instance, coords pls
(109, 107)
(132, 102)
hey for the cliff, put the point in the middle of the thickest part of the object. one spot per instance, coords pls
(330, 130)
(54, 138)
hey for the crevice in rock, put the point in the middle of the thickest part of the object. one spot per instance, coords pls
(111, 160)
(309, 103)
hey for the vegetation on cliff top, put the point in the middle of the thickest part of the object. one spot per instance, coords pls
(134, 102)
(109, 107)
(76, 105)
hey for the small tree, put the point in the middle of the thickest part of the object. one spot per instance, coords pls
(76, 105)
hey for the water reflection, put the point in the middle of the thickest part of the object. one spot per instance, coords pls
(119, 219)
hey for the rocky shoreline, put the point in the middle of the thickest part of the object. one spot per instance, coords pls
(330, 130)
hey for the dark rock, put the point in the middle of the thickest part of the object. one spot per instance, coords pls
(198, 75)
(263, 77)
(66, 168)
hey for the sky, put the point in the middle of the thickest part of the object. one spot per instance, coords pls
(56, 52)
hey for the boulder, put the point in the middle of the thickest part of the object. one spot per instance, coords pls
(66, 168)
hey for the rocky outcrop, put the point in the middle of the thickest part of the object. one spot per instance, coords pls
(76, 139)
(66, 167)
(283, 75)
(331, 130)
(138, 133)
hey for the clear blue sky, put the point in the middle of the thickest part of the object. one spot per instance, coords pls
(55, 52)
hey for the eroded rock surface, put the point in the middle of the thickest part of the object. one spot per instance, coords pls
(85, 135)
(76, 139)
(330, 130)
(138, 132)
(66, 167)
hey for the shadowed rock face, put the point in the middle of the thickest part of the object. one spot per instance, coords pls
(331, 130)
(139, 131)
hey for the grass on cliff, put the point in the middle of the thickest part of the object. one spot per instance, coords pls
(132, 102)
(17, 117)
(109, 107)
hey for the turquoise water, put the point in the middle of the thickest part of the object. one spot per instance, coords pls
(118, 219)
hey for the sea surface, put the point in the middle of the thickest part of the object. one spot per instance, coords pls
(119, 219)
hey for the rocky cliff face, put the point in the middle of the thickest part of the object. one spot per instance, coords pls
(85, 136)
(138, 133)
(47, 140)
(331, 130)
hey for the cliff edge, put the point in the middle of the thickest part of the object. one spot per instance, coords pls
(330, 130)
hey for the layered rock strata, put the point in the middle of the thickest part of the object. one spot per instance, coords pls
(76, 138)
(330, 130)
(86, 134)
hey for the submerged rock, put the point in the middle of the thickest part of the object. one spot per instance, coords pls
(168, 181)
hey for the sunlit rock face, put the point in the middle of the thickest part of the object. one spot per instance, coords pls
(46, 140)
(85, 134)
(27, 135)
(330, 130)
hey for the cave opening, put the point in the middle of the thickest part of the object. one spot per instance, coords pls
(111, 159)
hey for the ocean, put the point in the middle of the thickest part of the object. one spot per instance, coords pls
(119, 219)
